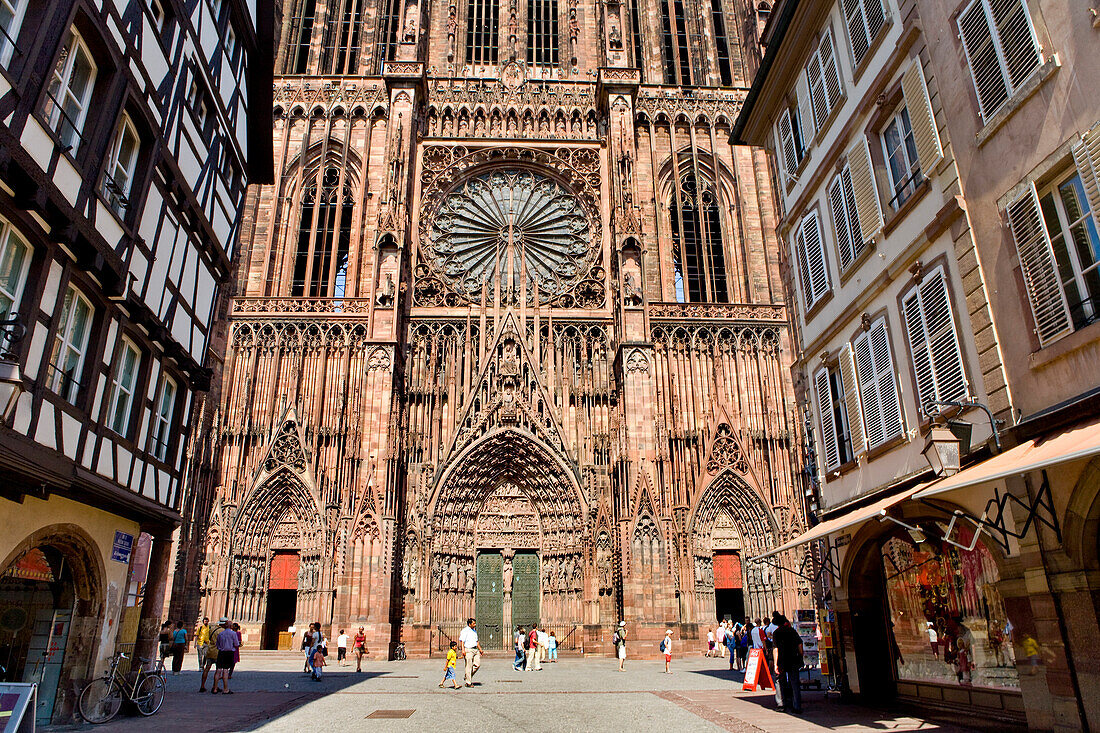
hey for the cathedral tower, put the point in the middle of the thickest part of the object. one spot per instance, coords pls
(508, 338)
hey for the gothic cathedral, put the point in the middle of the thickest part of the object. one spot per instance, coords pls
(508, 337)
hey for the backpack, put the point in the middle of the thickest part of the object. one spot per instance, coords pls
(526, 641)
(615, 638)
(663, 642)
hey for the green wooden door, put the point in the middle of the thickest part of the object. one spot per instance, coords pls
(489, 607)
(525, 589)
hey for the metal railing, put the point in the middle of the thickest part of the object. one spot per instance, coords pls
(906, 188)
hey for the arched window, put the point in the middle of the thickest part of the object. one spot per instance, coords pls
(324, 236)
(698, 251)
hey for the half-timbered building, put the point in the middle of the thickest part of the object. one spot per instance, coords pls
(509, 336)
(127, 138)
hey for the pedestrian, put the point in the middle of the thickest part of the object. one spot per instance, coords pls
(666, 649)
(720, 639)
(307, 647)
(179, 646)
(743, 642)
(544, 647)
(517, 642)
(766, 634)
(532, 647)
(318, 663)
(619, 640)
(552, 647)
(359, 643)
(211, 656)
(788, 664)
(710, 643)
(342, 648)
(933, 640)
(237, 651)
(227, 643)
(202, 640)
(164, 641)
(471, 650)
(731, 646)
(449, 666)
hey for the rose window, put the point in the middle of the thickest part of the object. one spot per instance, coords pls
(507, 229)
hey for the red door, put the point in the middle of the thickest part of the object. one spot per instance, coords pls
(284, 571)
(727, 569)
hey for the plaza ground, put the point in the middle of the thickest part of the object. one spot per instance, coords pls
(271, 694)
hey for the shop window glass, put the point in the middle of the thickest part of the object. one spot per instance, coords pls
(948, 619)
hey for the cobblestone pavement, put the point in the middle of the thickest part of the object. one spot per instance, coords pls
(272, 695)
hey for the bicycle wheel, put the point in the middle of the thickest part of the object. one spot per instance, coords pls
(149, 695)
(100, 700)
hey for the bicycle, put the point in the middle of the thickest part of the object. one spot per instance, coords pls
(102, 698)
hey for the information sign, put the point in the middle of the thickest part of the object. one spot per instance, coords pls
(122, 547)
(756, 672)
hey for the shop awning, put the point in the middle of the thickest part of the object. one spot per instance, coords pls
(1073, 444)
(849, 519)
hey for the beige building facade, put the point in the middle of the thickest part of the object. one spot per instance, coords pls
(959, 137)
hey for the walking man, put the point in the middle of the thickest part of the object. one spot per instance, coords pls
(619, 640)
(532, 647)
(544, 647)
(517, 642)
(471, 648)
(342, 648)
(202, 639)
(720, 639)
(227, 643)
(788, 663)
(211, 656)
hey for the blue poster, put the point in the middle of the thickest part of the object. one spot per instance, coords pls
(123, 546)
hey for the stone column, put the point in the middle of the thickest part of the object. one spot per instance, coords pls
(152, 605)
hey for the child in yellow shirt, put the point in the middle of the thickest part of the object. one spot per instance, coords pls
(449, 670)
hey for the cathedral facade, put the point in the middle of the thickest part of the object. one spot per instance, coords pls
(508, 338)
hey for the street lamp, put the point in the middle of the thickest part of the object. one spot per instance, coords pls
(942, 451)
(11, 380)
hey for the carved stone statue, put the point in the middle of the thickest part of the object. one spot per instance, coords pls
(452, 575)
(470, 579)
(409, 34)
(507, 576)
(631, 294)
(385, 295)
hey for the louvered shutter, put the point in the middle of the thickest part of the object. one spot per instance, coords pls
(939, 321)
(925, 135)
(815, 81)
(1019, 47)
(857, 28)
(829, 69)
(919, 351)
(1086, 155)
(1040, 271)
(851, 400)
(786, 142)
(868, 390)
(866, 192)
(844, 244)
(889, 398)
(990, 84)
(816, 273)
(830, 453)
(805, 113)
(875, 14)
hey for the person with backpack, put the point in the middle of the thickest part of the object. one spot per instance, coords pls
(619, 640)
(532, 646)
(733, 638)
(666, 649)
(518, 643)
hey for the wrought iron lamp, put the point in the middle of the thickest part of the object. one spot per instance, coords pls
(11, 380)
(942, 451)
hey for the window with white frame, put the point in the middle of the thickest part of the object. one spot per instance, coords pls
(865, 19)
(934, 342)
(813, 270)
(878, 388)
(790, 137)
(121, 163)
(1001, 48)
(11, 21)
(70, 91)
(162, 419)
(123, 384)
(1055, 228)
(842, 200)
(823, 79)
(15, 259)
(836, 438)
(70, 345)
(899, 148)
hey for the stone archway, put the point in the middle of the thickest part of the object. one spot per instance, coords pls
(730, 524)
(277, 564)
(509, 542)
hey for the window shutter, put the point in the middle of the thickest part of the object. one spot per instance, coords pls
(815, 273)
(829, 69)
(925, 135)
(1086, 155)
(981, 53)
(866, 192)
(857, 30)
(919, 351)
(1018, 44)
(1044, 289)
(844, 243)
(830, 453)
(815, 82)
(876, 18)
(934, 342)
(877, 386)
(851, 400)
(786, 141)
(868, 390)
(805, 114)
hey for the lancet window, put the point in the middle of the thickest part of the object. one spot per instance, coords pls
(482, 31)
(542, 32)
(324, 237)
(675, 43)
(387, 32)
(301, 31)
(636, 28)
(698, 249)
(721, 42)
(340, 48)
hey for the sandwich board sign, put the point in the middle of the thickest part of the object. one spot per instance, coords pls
(756, 672)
